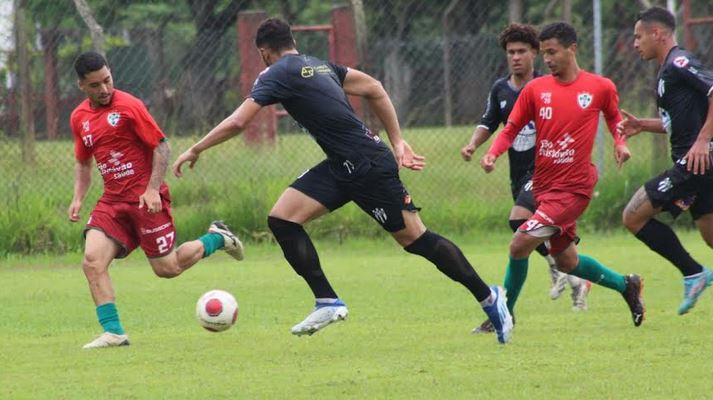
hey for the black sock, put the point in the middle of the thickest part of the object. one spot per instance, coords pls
(301, 254)
(542, 249)
(450, 260)
(662, 239)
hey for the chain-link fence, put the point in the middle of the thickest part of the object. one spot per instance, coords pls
(437, 60)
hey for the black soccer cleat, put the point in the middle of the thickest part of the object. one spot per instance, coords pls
(633, 295)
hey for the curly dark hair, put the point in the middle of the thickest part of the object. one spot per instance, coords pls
(519, 33)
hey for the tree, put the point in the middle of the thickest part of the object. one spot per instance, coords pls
(201, 103)
(27, 123)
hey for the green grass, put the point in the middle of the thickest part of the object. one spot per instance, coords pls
(407, 335)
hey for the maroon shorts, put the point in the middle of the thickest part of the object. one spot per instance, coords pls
(131, 226)
(559, 210)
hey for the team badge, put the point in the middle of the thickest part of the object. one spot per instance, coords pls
(307, 72)
(584, 99)
(546, 97)
(503, 103)
(85, 126)
(680, 61)
(113, 118)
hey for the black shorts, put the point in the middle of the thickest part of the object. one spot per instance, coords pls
(522, 194)
(377, 190)
(676, 190)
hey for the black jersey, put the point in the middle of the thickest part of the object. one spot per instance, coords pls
(682, 91)
(521, 154)
(311, 92)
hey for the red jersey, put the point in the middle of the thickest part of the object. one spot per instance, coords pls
(122, 137)
(566, 116)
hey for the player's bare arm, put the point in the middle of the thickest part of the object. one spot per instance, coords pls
(480, 136)
(151, 197)
(357, 83)
(82, 181)
(698, 156)
(225, 130)
(631, 125)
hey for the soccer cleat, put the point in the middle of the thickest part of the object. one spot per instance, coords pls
(693, 286)
(499, 315)
(633, 295)
(107, 339)
(579, 295)
(558, 282)
(322, 315)
(231, 244)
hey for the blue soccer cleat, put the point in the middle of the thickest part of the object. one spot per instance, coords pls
(693, 286)
(499, 315)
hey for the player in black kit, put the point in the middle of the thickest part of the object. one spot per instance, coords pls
(359, 167)
(521, 46)
(683, 96)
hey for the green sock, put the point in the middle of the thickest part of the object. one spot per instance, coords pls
(109, 318)
(514, 279)
(592, 270)
(211, 243)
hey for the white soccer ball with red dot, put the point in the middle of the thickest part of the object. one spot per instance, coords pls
(217, 310)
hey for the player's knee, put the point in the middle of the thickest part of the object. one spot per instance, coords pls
(167, 272)
(93, 266)
(281, 227)
(631, 221)
(519, 249)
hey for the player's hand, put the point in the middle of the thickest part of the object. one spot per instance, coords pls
(621, 154)
(629, 126)
(488, 162)
(405, 157)
(73, 211)
(151, 199)
(699, 157)
(189, 156)
(467, 151)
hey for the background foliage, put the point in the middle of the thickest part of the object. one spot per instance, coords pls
(181, 58)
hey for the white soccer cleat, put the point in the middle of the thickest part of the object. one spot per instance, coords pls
(107, 339)
(558, 282)
(323, 315)
(232, 245)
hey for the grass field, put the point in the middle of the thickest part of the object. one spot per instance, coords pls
(407, 335)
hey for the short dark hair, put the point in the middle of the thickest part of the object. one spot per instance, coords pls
(275, 34)
(519, 33)
(89, 62)
(657, 14)
(561, 31)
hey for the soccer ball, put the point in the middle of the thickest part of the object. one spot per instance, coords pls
(217, 310)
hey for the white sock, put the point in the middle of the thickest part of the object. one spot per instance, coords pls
(326, 300)
(490, 300)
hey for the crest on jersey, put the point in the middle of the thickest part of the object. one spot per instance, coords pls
(307, 72)
(584, 99)
(113, 118)
(680, 61)
(85, 126)
(503, 103)
(546, 97)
